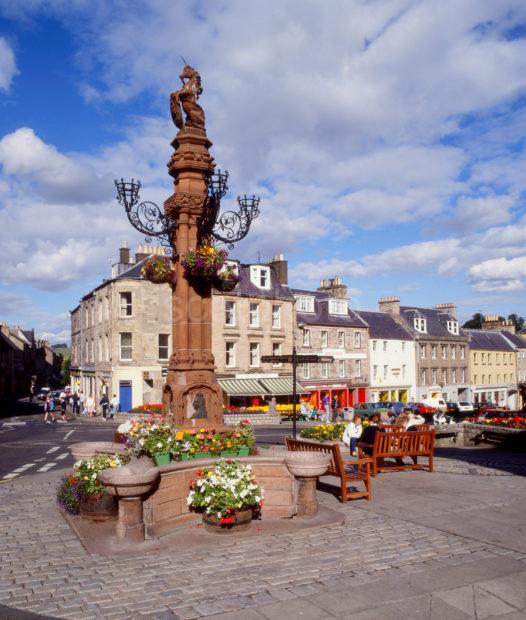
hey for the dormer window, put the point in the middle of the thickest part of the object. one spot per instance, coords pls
(420, 325)
(305, 304)
(338, 306)
(452, 327)
(260, 276)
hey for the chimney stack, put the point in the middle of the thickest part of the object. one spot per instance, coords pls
(389, 305)
(492, 322)
(142, 252)
(334, 287)
(281, 267)
(124, 253)
(449, 308)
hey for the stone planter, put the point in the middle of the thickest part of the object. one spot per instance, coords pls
(98, 507)
(88, 449)
(240, 522)
(307, 467)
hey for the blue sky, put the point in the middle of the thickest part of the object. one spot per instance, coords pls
(387, 138)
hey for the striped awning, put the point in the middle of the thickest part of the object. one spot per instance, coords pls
(275, 386)
(281, 386)
(242, 387)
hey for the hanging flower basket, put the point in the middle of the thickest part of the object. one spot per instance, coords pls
(159, 270)
(226, 280)
(204, 263)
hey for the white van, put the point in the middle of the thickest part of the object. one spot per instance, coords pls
(437, 403)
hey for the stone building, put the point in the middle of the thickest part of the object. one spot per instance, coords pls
(327, 326)
(441, 349)
(391, 358)
(121, 333)
(493, 368)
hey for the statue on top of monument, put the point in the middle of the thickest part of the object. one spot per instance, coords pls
(186, 97)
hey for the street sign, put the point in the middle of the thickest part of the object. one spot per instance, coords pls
(164, 371)
(300, 359)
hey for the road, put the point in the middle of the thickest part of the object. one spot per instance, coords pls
(30, 446)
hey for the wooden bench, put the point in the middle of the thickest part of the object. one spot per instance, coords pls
(397, 445)
(344, 469)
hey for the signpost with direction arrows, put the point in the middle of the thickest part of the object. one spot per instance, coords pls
(296, 359)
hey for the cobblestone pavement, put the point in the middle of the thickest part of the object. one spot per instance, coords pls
(46, 570)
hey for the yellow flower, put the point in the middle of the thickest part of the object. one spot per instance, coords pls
(179, 435)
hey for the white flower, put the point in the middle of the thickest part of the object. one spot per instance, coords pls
(94, 476)
(159, 444)
(218, 515)
(141, 442)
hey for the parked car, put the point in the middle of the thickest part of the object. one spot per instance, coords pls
(395, 406)
(422, 407)
(43, 394)
(366, 409)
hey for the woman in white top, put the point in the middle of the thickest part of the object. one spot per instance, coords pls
(90, 406)
(352, 433)
(414, 419)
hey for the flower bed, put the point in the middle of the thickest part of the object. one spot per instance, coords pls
(513, 422)
(324, 432)
(148, 408)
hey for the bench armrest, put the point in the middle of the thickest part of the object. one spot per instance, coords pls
(358, 461)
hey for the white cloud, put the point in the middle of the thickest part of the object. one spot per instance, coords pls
(499, 274)
(8, 68)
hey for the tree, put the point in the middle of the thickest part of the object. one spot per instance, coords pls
(66, 365)
(475, 322)
(518, 321)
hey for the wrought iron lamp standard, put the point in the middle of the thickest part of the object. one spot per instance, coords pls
(189, 220)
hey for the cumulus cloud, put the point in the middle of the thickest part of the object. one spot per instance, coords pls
(499, 274)
(8, 68)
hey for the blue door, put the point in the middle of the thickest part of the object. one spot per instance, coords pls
(125, 395)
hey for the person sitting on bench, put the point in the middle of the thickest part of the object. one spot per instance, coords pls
(369, 433)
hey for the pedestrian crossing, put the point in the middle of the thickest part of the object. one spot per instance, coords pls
(54, 457)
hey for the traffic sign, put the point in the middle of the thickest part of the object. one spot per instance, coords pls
(300, 359)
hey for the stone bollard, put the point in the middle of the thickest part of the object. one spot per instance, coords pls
(129, 484)
(307, 467)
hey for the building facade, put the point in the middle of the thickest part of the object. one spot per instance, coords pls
(327, 326)
(493, 368)
(392, 362)
(441, 349)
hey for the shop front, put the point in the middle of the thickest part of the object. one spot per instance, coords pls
(347, 395)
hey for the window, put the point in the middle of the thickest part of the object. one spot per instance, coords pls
(423, 352)
(106, 348)
(434, 376)
(341, 369)
(444, 352)
(324, 339)
(475, 358)
(306, 337)
(341, 339)
(324, 370)
(357, 340)
(106, 308)
(475, 377)
(483, 358)
(164, 346)
(305, 304)
(489, 358)
(433, 352)
(462, 353)
(423, 377)
(276, 350)
(484, 378)
(358, 368)
(498, 358)
(306, 371)
(454, 375)
(420, 324)
(403, 346)
(125, 304)
(254, 315)
(374, 345)
(403, 371)
(385, 372)
(276, 316)
(452, 327)
(93, 350)
(385, 345)
(444, 376)
(260, 276)
(100, 310)
(254, 354)
(453, 352)
(99, 349)
(230, 354)
(463, 376)
(126, 346)
(375, 373)
(230, 313)
(337, 306)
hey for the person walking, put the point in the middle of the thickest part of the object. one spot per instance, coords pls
(90, 406)
(63, 406)
(114, 406)
(82, 402)
(327, 407)
(351, 434)
(75, 404)
(49, 407)
(104, 403)
(334, 409)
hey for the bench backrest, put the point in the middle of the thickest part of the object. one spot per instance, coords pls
(403, 442)
(400, 429)
(333, 449)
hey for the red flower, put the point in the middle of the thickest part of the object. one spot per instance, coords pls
(227, 520)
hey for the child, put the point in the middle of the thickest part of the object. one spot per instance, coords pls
(352, 433)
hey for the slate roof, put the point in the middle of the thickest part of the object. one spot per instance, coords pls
(436, 321)
(382, 325)
(519, 342)
(321, 315)
(488, 341)
(245, 287)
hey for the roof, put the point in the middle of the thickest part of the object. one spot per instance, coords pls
(382, 325)
(321, 315)
(519, 342)
(246, 288)
(436, 322)
(480, 339)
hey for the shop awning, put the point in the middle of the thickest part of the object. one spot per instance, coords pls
(281, 386)
(242, 387)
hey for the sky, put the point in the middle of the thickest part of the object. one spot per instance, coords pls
(386, 139)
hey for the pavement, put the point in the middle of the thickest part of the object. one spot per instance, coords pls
(446, 545)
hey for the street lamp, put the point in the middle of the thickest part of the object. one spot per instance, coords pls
(294, 373)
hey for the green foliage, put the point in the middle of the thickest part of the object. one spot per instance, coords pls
(324, 432)
(475, 322)
(86, 471)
